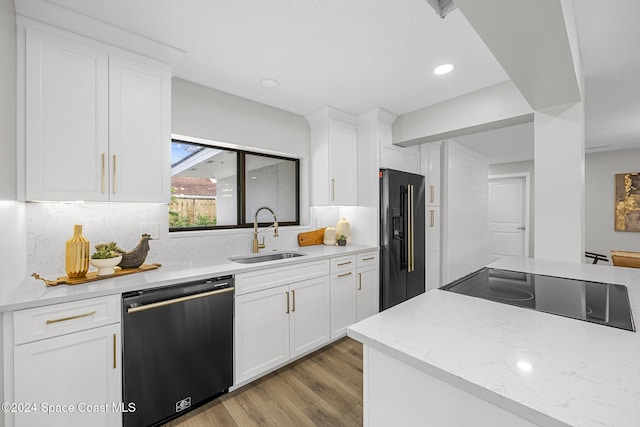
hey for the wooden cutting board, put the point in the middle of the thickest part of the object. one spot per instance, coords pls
(93, 276)
(315, 237)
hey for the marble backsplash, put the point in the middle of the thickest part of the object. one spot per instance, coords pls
(50, 225)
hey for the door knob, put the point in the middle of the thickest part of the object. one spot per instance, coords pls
(522, 228)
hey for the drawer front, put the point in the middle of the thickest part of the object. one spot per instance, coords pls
(39, 323)
(367, 259)
(343, 263)
(272, 277)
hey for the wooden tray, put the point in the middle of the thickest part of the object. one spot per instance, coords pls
(309, 238)
(93, 276)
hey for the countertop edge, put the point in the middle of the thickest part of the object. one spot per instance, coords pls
(164, 276)
(519, 409)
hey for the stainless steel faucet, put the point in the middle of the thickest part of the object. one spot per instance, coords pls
(257, 245)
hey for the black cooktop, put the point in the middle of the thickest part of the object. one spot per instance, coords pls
(603, 303)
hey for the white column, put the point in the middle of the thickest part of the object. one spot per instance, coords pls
(559, 182)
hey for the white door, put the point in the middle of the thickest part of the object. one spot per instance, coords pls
(262, 331)
(507, 218)
(310, 315)
(343, 302)
(81, 370)
(139, 131)
(367, 293)
(342, 140)
(66, 120)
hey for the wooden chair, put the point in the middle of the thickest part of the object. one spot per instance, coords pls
(626, 259)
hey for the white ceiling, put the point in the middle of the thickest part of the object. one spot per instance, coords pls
(357, 55)
(354, 55)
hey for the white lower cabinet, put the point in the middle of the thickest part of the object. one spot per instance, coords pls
(67, 366)
(355, 290)
(71, 380)
(343, 302)
(276, 324)
(309, 315)
(368, 290)
(367, 293)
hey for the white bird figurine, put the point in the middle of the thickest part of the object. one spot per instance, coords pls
(136, 256)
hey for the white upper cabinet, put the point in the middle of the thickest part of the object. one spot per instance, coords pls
(334, 175)
(97, 124)
(431, 170)
(139, 131)
(66, 119)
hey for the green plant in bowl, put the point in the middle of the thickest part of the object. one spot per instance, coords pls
(106, 251)
(342, 240)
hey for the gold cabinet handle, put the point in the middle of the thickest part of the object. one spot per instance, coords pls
(431, 192)
(333, 189)
(287, 296)
(103, 170)
(114, 173)
(293, 297)
(345, 274)
(359, 281)
(114, 351)
(344, 263)
(432, 222)
(64, 319)
(368, 259)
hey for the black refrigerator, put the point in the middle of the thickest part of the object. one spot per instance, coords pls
(402, 237)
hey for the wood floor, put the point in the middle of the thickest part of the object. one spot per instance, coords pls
(321, 389)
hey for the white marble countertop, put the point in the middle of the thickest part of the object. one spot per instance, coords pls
(33, 293)
(582, 374)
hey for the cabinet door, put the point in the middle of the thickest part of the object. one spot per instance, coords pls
(343, 302)
(262, 331)
(367, 293)
(81, 369)
(342, 160)
(66, 120)
(139, 131)
(433, 248)
(433, 175)
(310, 315)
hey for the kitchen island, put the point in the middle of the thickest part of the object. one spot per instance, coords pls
(454, 360)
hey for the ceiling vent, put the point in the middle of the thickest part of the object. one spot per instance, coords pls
(442, 7)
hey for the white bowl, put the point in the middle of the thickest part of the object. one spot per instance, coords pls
(105, 266)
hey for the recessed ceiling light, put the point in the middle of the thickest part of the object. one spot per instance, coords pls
(269, 83)
(443, 69)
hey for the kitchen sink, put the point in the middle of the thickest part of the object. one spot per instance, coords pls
(251, 259)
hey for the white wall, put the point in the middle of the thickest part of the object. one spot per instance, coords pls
(13, 249)
(559, 180)
(464, 216)
(202, 112)
(600, 169)
(493, 107)
(7, 100)
(521, 167)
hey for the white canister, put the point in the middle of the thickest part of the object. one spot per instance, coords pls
(343, 228)
(330, 236)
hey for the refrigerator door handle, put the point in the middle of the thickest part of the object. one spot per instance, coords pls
(410, 236)
(404, 250)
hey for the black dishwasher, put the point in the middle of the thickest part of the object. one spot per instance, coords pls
(177, 348)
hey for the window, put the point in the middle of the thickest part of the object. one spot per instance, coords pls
(215, 187)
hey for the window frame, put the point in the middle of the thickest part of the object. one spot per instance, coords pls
(243, 221)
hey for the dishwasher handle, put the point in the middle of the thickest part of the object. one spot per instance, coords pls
(177, 300)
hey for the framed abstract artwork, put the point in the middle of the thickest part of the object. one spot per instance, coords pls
(628, 201)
